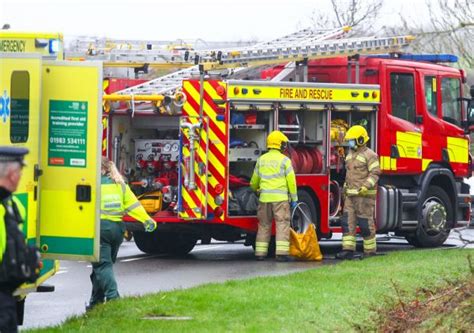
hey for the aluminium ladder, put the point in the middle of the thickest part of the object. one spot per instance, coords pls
(169, 83)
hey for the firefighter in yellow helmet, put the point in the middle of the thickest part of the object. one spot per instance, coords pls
(360, 189)
(275, 180)
(116, 200)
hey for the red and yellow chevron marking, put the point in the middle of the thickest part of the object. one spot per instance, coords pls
(211, 151)
(105, 130)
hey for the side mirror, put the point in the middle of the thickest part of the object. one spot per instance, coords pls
(470, 116)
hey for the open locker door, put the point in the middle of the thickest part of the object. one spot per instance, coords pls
(194, 139)
(71, 132)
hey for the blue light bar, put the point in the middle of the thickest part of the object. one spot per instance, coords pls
(53, 46)
(435, 58)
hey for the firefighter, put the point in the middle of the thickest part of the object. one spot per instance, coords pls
(11, 164)
(116, 200)
(275, 180)
(360, 189)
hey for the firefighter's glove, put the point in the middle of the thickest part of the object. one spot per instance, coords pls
(293, 205)
(150, 225)
(363, 190)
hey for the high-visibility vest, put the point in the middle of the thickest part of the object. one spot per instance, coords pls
(3, 231)
(274, 178)
(117, 200)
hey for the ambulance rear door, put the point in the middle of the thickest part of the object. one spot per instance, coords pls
(70, 139)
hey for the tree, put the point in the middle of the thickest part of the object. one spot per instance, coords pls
(450, 30)
(360, 15)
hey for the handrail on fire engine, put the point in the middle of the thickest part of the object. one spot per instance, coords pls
(189, 179)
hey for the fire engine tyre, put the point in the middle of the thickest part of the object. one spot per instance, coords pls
(436, 219)
(309, 207)
(158, 242)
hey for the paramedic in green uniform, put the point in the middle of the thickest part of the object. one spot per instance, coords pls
(117, 200)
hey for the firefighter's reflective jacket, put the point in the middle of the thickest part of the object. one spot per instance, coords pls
(118, 200)
(363, 170)
(274, 178)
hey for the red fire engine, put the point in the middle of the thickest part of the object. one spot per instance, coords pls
(193, 167)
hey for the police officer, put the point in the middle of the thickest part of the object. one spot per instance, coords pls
(360, 189)
(116, 200)
(275, 180)
(11, 164)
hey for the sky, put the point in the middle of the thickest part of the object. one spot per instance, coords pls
(210, 20)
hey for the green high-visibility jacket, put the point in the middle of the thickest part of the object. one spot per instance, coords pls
(274, 178)
(118, 200)
(3, 231)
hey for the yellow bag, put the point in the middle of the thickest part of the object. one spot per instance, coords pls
(305, 246)
(151, 201)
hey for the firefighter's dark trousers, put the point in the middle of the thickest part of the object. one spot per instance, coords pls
(104, 286)
(8, 315)
(267, 211)
(359, 210)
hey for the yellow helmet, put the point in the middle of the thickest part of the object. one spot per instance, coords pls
(357, 133)
(276, 139)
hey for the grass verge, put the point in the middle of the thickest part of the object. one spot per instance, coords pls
(351, 296)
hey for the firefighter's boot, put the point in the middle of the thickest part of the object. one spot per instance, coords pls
(345, 255)
(283, 258)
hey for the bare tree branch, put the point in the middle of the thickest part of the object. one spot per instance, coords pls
(354, 13)
(450, 30)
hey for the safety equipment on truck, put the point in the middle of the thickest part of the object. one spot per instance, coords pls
(317, 158)
(236, 182)
(277, 140)
(237, 118)
(305, 246)
(357, 133)
(238, 143)
(306, 160)
(241, 118)
(338, 130)
(151, 201)
(243, 201)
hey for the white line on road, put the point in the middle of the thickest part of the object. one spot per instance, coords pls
(139, 258)
(207, 248)
(61, 272)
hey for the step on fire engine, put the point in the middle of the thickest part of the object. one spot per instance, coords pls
(412, 108)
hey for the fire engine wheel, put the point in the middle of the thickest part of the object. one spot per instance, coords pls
(436, 219)
(307, 211)
(172, 243)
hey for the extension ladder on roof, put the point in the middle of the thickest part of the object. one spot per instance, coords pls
(169, 83)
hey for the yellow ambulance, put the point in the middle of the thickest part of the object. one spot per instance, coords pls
(53, 108)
